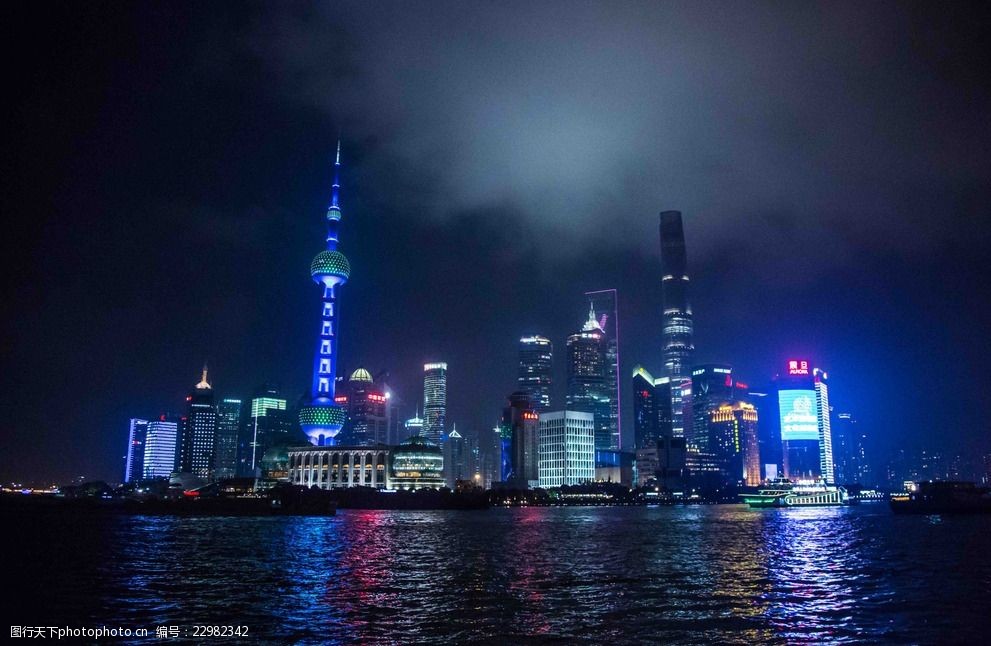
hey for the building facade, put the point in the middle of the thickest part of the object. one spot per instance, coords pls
(417, 463)
(567, 448)
(336, 467)
(519, 442)
(225, 448)
(457, 459)
(434, 401)
(199, 430)
(802, 399)
(535, 373)
(160, 448)
(368, 414)
(134, 460)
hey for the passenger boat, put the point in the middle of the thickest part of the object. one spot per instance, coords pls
(785, 493)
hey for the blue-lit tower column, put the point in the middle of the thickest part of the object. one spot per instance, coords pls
(322, 419)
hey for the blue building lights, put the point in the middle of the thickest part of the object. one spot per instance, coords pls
(321, 419)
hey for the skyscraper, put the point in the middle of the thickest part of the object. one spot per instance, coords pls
(536, 364)
(733, 436)
(605, 303)
(849, 452)
(321, 419)
(269, 424)
(134, 460)
(160, 448)
(651, 408)
(367, 422)
(587, 390)
(226, 441)
(413, 426)
(826, 467)
(199, 429)
(677, 328)
(567, 451)
(434, 400)
(457, 459)
(519, 442)
(803, 415)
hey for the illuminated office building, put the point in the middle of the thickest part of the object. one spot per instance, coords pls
(270, 425)
(434, 401)
(803, 415)
(160, 448)
(134, 460)
(457, 459)
(677, 330)
(587, 391)
(566, 448)
(605, 303)
(198, 429)
(321, 419)
(417, 463)
(366, 404)
(226, 440)
(536, 364)
(733, 438)
(413, 426)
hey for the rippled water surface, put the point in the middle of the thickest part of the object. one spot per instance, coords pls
(617, 574)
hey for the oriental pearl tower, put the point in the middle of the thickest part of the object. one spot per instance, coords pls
(321, 419)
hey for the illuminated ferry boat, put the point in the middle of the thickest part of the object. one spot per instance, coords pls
(785, 493)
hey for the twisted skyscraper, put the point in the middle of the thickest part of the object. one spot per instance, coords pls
(321, 419)
(677, 331)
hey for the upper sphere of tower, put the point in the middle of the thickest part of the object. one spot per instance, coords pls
(330, 263)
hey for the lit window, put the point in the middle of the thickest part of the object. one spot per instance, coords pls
(324, 385)
(325, 330)
(325, 366)
(328, 310)
(325, 347)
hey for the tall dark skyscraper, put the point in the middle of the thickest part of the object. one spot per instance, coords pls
(269, 424)
(519, 442)
(434, 400)
(606, 305)
(651, 408)
(135, 459)
(587, 390)
(225, 443)
(849, 452)
(199, 430)
(536, 365)
(321, 419)
(677, 328)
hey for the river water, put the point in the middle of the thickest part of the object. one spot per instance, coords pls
(721, 573)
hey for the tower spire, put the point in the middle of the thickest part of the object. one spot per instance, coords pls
(322, 419)
(204, 384)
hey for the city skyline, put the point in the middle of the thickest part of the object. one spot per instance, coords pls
(799, 270)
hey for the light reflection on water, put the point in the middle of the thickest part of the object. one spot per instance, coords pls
(710, 573)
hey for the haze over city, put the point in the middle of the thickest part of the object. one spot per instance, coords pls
(169, 185)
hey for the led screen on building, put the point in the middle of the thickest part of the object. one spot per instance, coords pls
(798, 415)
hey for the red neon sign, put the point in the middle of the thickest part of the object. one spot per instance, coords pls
(798, 367)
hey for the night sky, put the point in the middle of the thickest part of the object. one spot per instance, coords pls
(169, 165)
